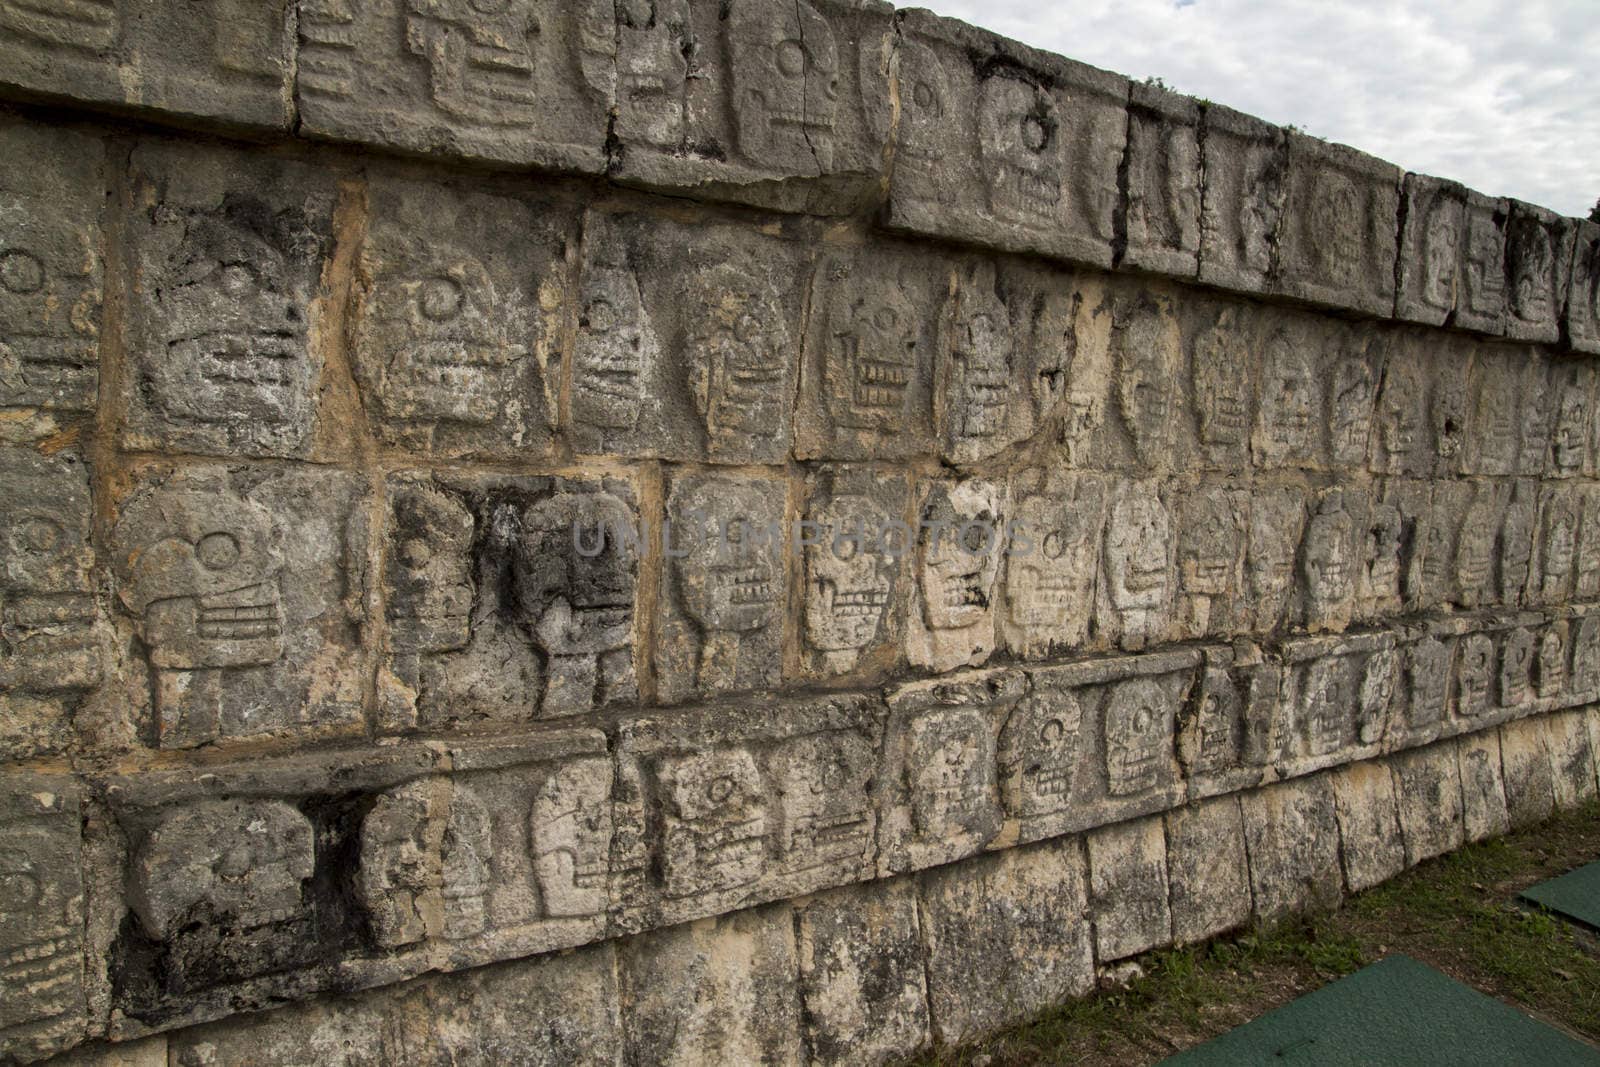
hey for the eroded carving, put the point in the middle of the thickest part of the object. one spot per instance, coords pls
(480, 58)
(1139, 566)
(740, 375)
(975, 382)
(1276, 520)
(572, 828)
(852, 566)
(824, 785)
(951, 769)
(958, 559)
(715, 821)
(1285, 427)
(1038, 754)
(1051, 560)
(1019, 138)
(1211, 546)
(1139, 721)
(1474, 674)
(1222, 394)
(1328, 564)
(785, 84)
(1146, 366)
(41, 917)
(425, 853)
(1517, 651)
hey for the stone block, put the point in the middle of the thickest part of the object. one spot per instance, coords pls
(867, 372)
(54, 641)
(1292, 394)
(1526, 767)
(1429, 791)
(1483, 795)
(1145, 422)
(1555, 546)
(1093, 743)
(1372, 848)
(1537, 407)
(1340, 695)
(765, 102)
(769, 801)
(1481, 303)
(385, 1026)
(941, 799)
(1331, 555)
(1338, 242)
(227, 313)
(1208, 873)
(1007, 935)
(547, 1009)
(1583, 292)
(42, 959)
(863, 982)
(1493, 419)
(1003, 145)
(1128, 888)
(1163, 182)
(457, 319)
(1224, 359)
(1573, 429)
(243, 589)
(959, 549)
(1277, 522)
(723, 585)
(1432, 238)
(447, 79)
(1245, 162)
(1421, 418)
(1011, 338)
(1139, 583)
(1538, 256)
(685, 340)
(1232, 727)
(720, 990)
(507, 598)
(1055, 525)
(1292, 839)
(225, 63)
(51, 275)
(151, 1052)
(854, 554)
(1572, 760)
(1583, 676)
(1212, 525)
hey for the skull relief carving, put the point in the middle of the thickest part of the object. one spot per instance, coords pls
(1038, 754)
(199, 571)
(1473, 671)
(785, 84)
(1138, 728)
(572, 828)
(823, 781)
(1288, 401)
(951, 770)
(1139, 565)
(448, 342)
(49, 307)
(425, 852)
(616, 351)
(1019, 135)
(241, 862)
(977, 381)
(1146, 382)
(848, 584)
(1328, 566)
(872, 341)
(480, 56)
(429, 572)
(1222, 394)
(1049, 587)
(1441, 238)
(741, 344)
(714, 815)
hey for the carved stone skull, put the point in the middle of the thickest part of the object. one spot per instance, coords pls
(1551, 664)
(238, 862)
(1327, 563)
(951, 773)
(233, 301)
(615, 353)
(49, 306)
(480, 56)
(1138, 726)
(872, 344)
(1146, 382)
(741, 343)
(1379, 678)
(1473, 671)
(575, 572)
(452, 341)
(979, 382)
(847, 584)
(1019, 137)
(198, 568)
(571, 825)
(823, 782)
(1441, 242)
(1516, 668)
(1329, 705)
(1053, 581)
(1222, 394)
(429, 572)
(1288, 400)
(1138, 555)
(1350, 409)
(425, 850)
(1531, 260)
(731, 566)
(714, 812)
(958, 556)
(785, 83)
(1038, 754)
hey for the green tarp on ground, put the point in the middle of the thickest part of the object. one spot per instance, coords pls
(1397, 1011)
(1575, 894)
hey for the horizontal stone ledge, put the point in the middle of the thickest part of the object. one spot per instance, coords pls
(949, 131)
(367, 865)
(882, 968)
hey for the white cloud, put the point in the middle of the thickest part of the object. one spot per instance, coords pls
(1499, 95)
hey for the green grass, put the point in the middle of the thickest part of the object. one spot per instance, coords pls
(1458, 913)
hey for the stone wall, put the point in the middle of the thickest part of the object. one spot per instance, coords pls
(1197, 521)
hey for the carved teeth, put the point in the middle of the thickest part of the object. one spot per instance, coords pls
(1017, 190)
(1143, 579)
(1050, 781)
(964, 591)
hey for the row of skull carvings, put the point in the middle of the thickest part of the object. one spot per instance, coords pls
(487, 579)
(553, 838)
(688, 339)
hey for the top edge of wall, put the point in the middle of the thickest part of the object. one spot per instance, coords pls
(935, 127)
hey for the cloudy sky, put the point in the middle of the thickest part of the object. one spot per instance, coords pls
(1503, 95)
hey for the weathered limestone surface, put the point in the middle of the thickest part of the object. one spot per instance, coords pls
(729, 530)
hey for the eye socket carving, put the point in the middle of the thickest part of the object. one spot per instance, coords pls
(217, 551)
